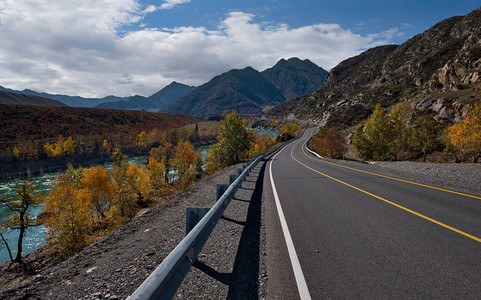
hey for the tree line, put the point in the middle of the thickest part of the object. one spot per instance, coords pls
(403, 134)
(85, 146)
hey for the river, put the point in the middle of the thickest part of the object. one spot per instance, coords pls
(35, 236)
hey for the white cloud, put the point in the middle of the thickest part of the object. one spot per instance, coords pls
(171, 3)
(78, 47)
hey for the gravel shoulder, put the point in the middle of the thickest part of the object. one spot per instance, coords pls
(462, 177)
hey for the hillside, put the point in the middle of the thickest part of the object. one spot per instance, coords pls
(13, 98)
(159, 100)
(436, 71)
(245, 91)
(24, 122)
(295, 77)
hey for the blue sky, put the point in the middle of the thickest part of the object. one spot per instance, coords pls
(95, 48)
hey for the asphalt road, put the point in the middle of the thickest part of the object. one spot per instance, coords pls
(360, 235)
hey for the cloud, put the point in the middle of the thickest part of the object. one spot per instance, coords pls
(171, 3)
(81, 47)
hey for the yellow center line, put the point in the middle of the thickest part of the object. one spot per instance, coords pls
(390, 202)
(393, 178)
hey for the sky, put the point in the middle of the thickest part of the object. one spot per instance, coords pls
(95, 48)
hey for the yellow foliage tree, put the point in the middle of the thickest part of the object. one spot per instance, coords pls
(158, 187)
(58, 147)
(184, 163)
(69, 146)
(68, 217)
(138, 180)
(402, 129)
(97, 181)
(142, 140)
(466, 135)
(124, 195)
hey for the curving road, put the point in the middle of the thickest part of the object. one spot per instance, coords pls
(363, 235)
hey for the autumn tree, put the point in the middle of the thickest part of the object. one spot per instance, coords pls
(69, 216)
(124, 195)
(137, 178)
(184, 163)
(373, 141)
(97, 181)
(164, 153)
(259, 144)
(402, 130)
(107, 146)
(158, 187)
(69, 146)
(20, 219)
(233, 143)
(426, 136)
(328, 142)
(142, 140)
(466, 135)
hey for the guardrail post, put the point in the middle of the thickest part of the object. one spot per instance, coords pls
(221, 188)
(193, 215)
(232, 178)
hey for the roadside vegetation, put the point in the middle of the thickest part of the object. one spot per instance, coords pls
(404, 134)
(86, 204)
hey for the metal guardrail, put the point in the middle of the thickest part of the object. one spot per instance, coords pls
(164, 281)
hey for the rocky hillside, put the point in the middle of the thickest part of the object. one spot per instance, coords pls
(436, 71)
(159, 100)
(14, 98)
(250, 92)
(295, 77)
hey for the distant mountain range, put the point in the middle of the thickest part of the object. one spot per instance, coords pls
(437, 71)
(250, 92)
(74, 101)
(159, 100)
(14, 98)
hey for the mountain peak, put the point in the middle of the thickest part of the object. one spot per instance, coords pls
(295, 77)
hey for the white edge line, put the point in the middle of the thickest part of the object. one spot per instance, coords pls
(296, 266)
(313, 151)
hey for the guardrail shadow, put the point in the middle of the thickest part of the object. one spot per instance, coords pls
(243, 281)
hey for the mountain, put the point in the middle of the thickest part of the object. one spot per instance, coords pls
(13, 98)
(133, 103)
(295, 77)
(165, 96)
(170, 93)
(246, 91)
(74, 101)
(436, 71)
